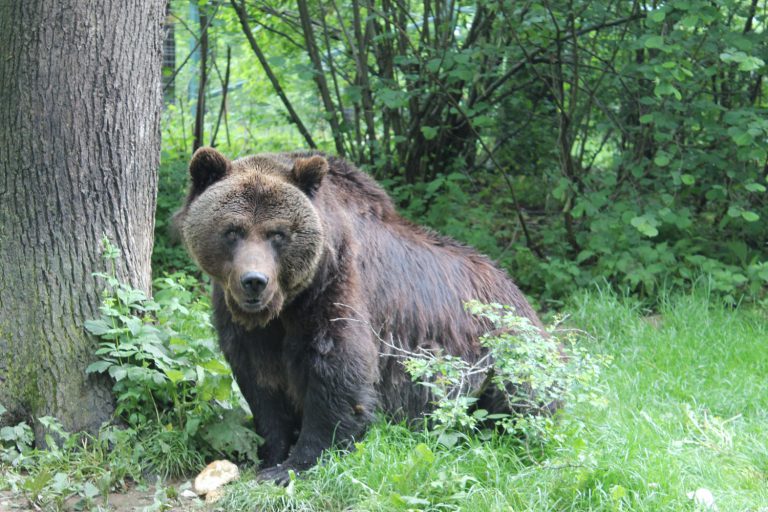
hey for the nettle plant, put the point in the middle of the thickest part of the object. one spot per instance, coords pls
(166, 367)
(532, 371)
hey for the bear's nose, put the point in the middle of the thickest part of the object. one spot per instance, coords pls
(254, 282)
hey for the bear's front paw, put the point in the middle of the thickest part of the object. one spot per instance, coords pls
(276, 474)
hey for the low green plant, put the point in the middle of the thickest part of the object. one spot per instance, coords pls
(81, 466)
(169, 378)
(15, 440)
(531, 370)
(686, 398)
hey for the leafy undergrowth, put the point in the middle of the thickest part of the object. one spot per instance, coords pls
(686, 408)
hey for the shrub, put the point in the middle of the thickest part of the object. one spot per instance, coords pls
(531, 370)
(170, 381)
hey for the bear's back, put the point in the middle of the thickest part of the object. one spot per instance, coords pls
(415, 282)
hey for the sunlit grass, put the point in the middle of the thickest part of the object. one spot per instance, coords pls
(686, 407)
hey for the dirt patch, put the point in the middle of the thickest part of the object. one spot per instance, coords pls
(135, 499)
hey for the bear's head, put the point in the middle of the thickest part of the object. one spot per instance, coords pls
(251, 225)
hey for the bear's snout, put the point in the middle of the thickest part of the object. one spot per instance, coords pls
(253, 283)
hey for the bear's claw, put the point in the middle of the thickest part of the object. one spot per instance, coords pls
(276, 474)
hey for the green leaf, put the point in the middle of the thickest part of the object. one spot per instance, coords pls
(448, 438)
(662, 159)
(750, 216)
(97, 327)
(646, 118)
(742, 138)
(754, 187)
(618, 492)
(667, 89)
(98, 367)
(90, 490)
(654, 42)
(657, 16)
(117, 372)
(423, 453)
(646, 225)
(175, 375)
(429, 132)
(216, 366)
(687, 179)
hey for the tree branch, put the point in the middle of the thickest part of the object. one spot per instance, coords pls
(242, 15)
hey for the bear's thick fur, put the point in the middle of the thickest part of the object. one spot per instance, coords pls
(316, 281)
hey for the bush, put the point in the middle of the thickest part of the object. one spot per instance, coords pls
(531, 370)
(169, 379)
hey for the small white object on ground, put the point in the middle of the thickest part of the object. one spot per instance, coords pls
(215, 475)
(188, 494)
(703, 498)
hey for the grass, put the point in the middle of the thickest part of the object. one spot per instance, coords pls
(686, 406)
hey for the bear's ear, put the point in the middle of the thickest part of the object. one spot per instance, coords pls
(309, 173)
(206, 168)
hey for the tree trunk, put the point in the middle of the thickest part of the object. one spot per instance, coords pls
(80, 101)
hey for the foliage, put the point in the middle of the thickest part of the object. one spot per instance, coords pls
(686, 399)
(531, 372)
(168, 253)
(574, 142)
(79, 468)
(169, 379)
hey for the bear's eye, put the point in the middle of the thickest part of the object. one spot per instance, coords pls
(276, 235)
(233, 234)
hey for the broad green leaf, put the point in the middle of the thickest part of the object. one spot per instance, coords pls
(97, 327)
(429, 132)
(174, 375)
(645, 225)
(655, 42)
(117, 372)
(90, 490)
(98, 367)
(750, 216)
(662, 159)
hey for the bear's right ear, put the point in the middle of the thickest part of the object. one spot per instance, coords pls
(206, 168)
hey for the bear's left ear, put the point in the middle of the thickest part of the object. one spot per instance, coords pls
(206, 168)
(309, 173)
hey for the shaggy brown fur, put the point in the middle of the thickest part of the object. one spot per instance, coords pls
(340, 279)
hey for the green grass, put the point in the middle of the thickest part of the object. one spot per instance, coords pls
(686, 407)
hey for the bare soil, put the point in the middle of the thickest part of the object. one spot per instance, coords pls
(135, 499)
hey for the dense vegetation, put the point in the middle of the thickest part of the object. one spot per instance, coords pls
(614, 146)
(683, 407)
(574, 141)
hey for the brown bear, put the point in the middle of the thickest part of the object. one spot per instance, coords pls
(317, 281)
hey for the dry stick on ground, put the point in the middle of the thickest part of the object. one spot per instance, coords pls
(243, 16)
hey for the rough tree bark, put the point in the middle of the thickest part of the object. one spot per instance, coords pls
(80, 99)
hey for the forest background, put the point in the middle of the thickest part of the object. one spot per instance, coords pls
(610, 155)
(573, 142)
